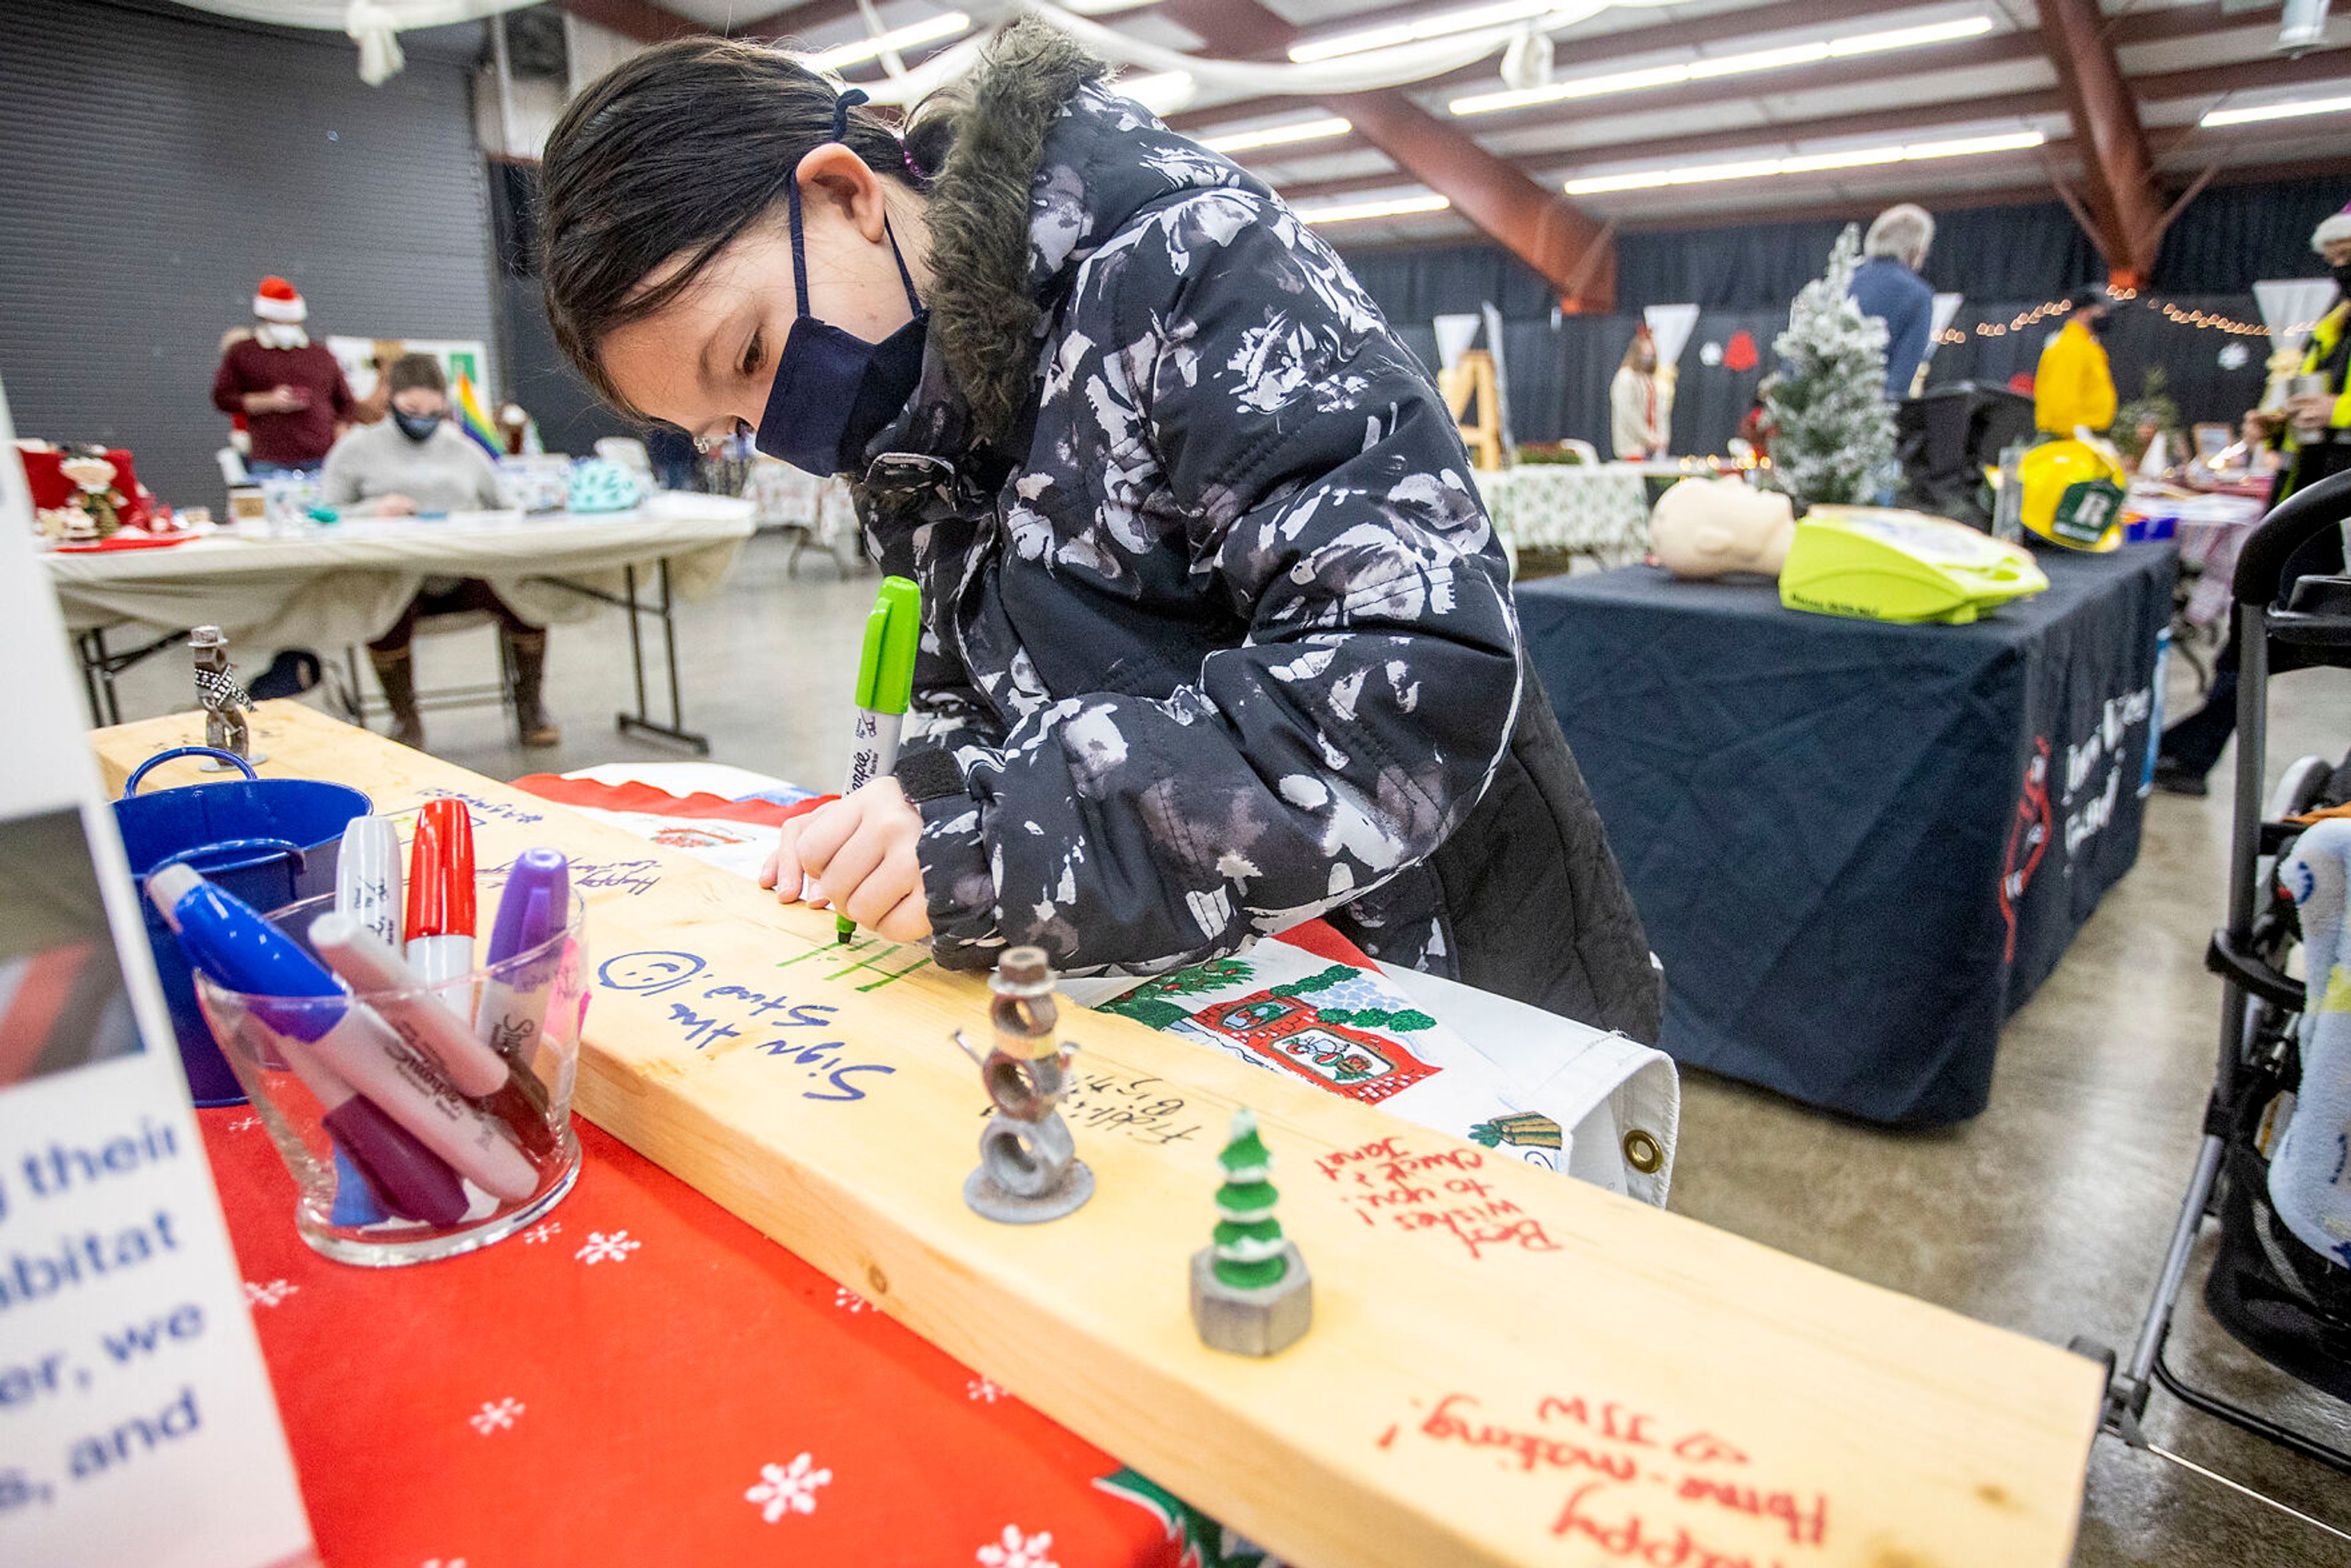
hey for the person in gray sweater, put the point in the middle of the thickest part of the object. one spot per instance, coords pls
(416, 461)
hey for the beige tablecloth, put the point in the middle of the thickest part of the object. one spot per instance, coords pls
(328, 587)
(1596, 509)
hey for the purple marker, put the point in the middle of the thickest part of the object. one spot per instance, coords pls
(410, 1179)
(532, 913)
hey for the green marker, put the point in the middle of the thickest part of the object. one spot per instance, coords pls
(886, 684)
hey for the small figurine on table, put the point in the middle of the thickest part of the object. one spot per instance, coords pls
(225, 702)
(1028, 1169)
(1250, 1291)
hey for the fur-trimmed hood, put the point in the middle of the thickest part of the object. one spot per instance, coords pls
(1035, 167)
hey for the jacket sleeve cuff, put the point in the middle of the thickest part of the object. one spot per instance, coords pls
(958, 881)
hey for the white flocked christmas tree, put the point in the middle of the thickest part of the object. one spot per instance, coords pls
(1831, 429)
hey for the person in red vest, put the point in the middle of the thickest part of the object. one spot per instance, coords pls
(290, 389)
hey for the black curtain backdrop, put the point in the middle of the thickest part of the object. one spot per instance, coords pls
(1558, 373)
(2006, 260)
(570, 416)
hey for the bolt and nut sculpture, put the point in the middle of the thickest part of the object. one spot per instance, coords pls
(1028, 1169)
(224, 700)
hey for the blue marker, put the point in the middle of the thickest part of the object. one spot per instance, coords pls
(364, 1062)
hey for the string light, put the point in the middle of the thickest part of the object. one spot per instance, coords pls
(2203, 320)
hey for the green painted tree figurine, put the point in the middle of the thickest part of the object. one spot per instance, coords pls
(1249, 1252)
(1250, 1291)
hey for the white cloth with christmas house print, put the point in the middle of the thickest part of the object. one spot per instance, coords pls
(1528, 1085)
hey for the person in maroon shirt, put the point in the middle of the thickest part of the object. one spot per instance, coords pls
(289, 389)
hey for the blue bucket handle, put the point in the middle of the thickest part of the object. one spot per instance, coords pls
(130, 785)
(262, 851)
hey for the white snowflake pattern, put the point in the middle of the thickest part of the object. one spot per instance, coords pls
(981, 1389)
(269, 1295)
(497, 1417)
(849, 1300)
(788, 1488)
(546, 1232)
(245, 1124)
(1014, 1550)
(437, 1563)
(602, 1248)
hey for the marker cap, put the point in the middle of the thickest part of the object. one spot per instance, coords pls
(893, 630)
(536, 902)
(441, 872)
(228, 939)
(367, 873)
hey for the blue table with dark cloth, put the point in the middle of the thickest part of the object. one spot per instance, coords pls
(1858, 847)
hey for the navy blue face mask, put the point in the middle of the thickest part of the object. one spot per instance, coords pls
(417, 428)
(834, 391)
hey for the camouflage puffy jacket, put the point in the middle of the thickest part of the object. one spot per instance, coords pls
(1216, 634)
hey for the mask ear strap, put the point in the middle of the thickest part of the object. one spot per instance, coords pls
(848, 100)
(799, 253)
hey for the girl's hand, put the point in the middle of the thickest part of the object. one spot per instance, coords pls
(859, 852)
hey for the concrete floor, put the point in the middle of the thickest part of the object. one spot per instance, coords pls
(2048, 1214)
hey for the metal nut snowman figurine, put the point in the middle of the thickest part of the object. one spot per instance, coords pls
(1028, 1169)
(225, 701)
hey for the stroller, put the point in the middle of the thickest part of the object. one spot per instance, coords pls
(2286, 1302)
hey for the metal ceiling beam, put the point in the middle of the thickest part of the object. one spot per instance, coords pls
(1581, 55)
(1566, 245)
(2119, 170)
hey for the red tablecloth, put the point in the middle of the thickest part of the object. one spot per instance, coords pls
(642, 1378)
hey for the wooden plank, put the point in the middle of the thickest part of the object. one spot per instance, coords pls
(1505, 1367)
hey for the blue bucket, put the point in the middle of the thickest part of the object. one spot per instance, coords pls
(268, 840)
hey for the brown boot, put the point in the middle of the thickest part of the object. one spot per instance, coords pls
(396, 672)
(528, 651)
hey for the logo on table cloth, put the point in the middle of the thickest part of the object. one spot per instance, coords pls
(1279, 1026)
(2028, 840)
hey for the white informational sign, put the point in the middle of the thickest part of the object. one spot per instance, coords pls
(458, 355)
(2291, 307)
(1669, 328)
(1947, 310)
(136, 1423)
(1454, 336)
(1501, 374)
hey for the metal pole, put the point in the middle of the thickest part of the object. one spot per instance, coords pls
(669, 643)
(507, 136)
(636, 640)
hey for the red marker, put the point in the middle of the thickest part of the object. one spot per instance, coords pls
(440, 925)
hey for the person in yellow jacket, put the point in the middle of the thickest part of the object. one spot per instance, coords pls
(2073, 385)
(2313, 431)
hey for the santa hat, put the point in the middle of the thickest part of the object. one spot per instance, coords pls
(276, 300)
(2332, 229)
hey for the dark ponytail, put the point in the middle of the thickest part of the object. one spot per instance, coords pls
(678, 149)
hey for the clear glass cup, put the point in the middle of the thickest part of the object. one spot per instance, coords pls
(379, 1198)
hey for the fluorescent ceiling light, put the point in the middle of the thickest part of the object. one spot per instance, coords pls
(1719, 66)
(2276, 112)
(1104, 7)
(1438, 25)
(930, 30)
(1806, 163)
(1278, 135)
(1355, 211)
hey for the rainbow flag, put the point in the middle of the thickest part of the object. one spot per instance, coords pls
(466, 408)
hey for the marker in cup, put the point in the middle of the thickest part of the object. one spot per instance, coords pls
(228, 939)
